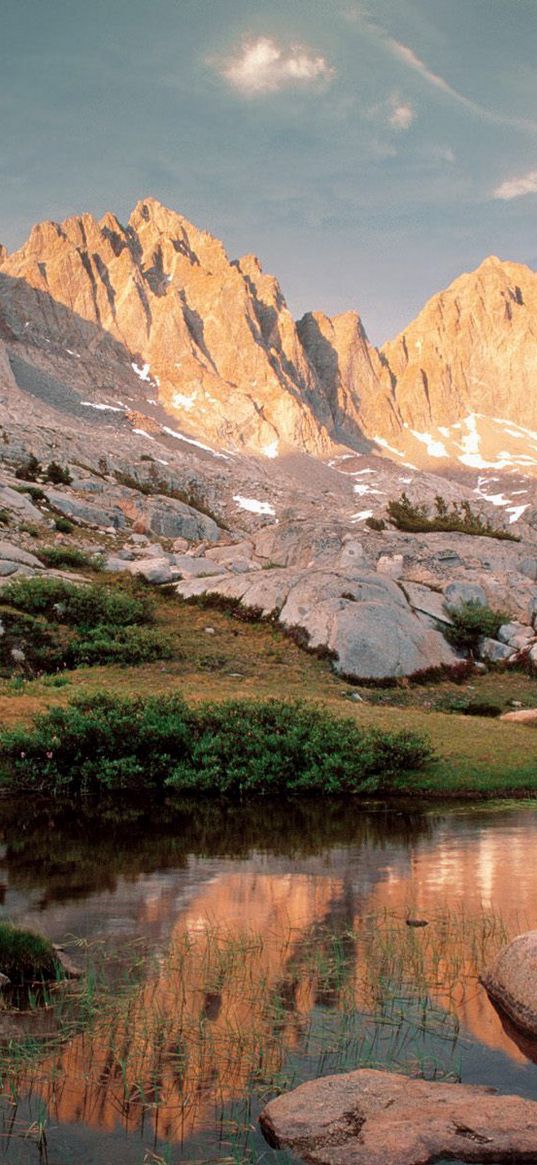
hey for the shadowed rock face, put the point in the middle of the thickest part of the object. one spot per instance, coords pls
(379, 1118)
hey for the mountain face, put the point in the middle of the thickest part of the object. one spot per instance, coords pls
(127, 317)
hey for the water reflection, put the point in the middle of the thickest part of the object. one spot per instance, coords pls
(271, 944)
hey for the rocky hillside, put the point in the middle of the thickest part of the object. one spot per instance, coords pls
(210, 442)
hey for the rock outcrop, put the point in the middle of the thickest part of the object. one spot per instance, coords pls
(511, 981)
(379, 1118)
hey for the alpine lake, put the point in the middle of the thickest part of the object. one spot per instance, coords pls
(231, 952)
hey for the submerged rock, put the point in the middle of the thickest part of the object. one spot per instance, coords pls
(380, 1118)
(512, 980)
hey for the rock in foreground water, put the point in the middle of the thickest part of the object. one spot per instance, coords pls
(512, 980)
(379, 1118)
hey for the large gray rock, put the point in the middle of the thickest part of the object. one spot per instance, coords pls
(362, 618)
(86, 512)
(154, 570)
(516, 635)
(11, 553)
(196, 567)
(379, 1118)
(170, 518)
(495, 652)
(457, 593)
(512, 980)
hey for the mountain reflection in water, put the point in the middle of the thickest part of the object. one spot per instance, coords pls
(264, 945)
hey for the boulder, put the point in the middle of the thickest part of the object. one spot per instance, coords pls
(517, 635)
(524, 716)
(391, 564)
(196, 567)
(362, 619)
(7, 568)
(511, 981)
(457, 593)
(495, 652)
(10, 553)
(86, 512)
(380, 1118)
(154, 570)
(427, 602)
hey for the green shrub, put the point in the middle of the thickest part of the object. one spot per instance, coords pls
(470, 622)
(123, 645)
(63, 525)
(34, 491)
(29, 470)
(5, 517)
(70, 558)
(461, 519)
(377, 524)
(25, 956)
(57, 474)
(39, 644)
(78, 605)
(103, 743)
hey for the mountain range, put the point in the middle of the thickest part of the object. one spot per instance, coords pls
(154, 313)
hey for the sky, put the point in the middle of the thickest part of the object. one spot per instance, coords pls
(367, 152)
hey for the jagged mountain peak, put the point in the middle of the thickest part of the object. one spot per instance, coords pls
(220, 351)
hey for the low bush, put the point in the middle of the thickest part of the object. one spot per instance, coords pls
(460, 518)
(101, 743)
(377, 524)
(5, 517)
(78, 605)
(123, 645)
(29, 470)
(57, 474)
(470, 622)
(63, 525)
(28, 644)
(34, 491)
(25, 956)
(70, 558)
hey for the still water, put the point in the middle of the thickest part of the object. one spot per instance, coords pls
(234, 952)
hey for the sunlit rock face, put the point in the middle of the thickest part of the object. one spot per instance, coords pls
(158, 303)
(212, 339)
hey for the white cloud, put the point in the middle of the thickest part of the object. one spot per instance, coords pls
(401, 115)
(517, 187)
(264, 66)
(402, 52)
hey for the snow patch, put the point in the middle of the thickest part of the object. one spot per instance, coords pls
(434, 448)
(89, 404)
(271, 450)
(516, 512)
(142, 433)
(190, 441)
(253, 505)
(362, 515)
(384, 445)
(181, 401)
(142, 372)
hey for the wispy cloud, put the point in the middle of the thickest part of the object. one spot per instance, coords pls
(406, 55)
(264, 66)
(517, 187)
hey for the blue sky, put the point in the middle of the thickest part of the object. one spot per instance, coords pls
(368, 152)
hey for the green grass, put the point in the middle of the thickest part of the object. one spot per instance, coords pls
(69, 557)
(478, 756)
(25, 956)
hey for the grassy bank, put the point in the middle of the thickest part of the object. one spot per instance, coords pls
(214, 657)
